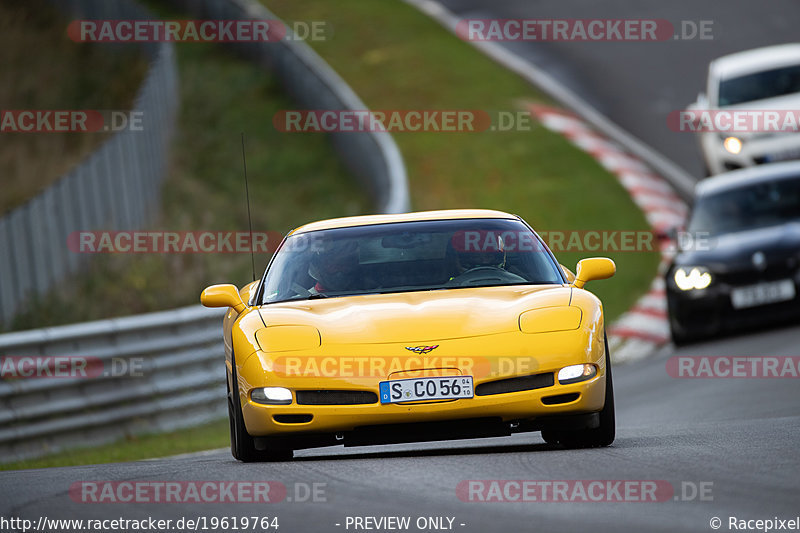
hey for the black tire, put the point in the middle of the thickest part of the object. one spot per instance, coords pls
(598, 437)
(242, 444)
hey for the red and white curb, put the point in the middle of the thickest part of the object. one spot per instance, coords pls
(644, 327)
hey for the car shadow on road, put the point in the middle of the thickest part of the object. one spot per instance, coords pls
(434, 452)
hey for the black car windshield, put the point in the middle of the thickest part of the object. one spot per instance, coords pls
(408, 256)
(756, 206)
(759, 86)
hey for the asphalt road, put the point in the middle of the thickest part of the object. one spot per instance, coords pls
(637, 84)
(739, 434)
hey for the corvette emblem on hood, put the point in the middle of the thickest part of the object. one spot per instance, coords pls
(421, 349)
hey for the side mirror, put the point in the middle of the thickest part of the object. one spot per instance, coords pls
(592, 269)
(225, 295)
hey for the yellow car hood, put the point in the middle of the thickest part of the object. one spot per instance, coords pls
(416, 316)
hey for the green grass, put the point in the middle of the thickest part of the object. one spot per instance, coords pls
(43, 69)
(206, 437)
(294, 179)
(397, 58)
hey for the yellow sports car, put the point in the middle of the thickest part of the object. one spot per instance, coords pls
(422, 326)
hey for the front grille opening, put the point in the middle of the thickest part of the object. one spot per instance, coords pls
(561, 398)
(519, 384)
(335, 397)
(292, 419)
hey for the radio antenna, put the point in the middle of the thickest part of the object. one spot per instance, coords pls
(249, 218)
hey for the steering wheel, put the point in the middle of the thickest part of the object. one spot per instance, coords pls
(485, 275)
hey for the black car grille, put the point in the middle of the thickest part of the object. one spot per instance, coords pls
(335, 397)
(518, 384)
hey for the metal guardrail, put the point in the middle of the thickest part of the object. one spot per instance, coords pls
(116, 187)
(157, 372)
(181, 381)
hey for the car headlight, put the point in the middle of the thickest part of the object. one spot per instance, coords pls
(272, 395)
(690, 278)
(733, 145)
(576, 373)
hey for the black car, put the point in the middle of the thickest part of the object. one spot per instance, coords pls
(741, 264)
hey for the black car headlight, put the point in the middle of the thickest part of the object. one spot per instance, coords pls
(688, 278)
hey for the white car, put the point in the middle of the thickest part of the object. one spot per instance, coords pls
(761, 80)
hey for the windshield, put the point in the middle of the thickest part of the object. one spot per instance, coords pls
(759, 86)
(410, 256)
(757, 206)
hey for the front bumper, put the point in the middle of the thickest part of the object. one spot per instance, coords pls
(708, 312)
(262, 420)
(525, 410)
(755, 151)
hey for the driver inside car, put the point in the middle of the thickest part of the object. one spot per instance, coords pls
(335, 268)
(491, 255)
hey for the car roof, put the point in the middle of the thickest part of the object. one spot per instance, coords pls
(745, 177)
(755, 60)
(366, 220)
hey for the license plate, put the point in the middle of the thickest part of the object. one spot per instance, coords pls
(433, 388)
(763, 293)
